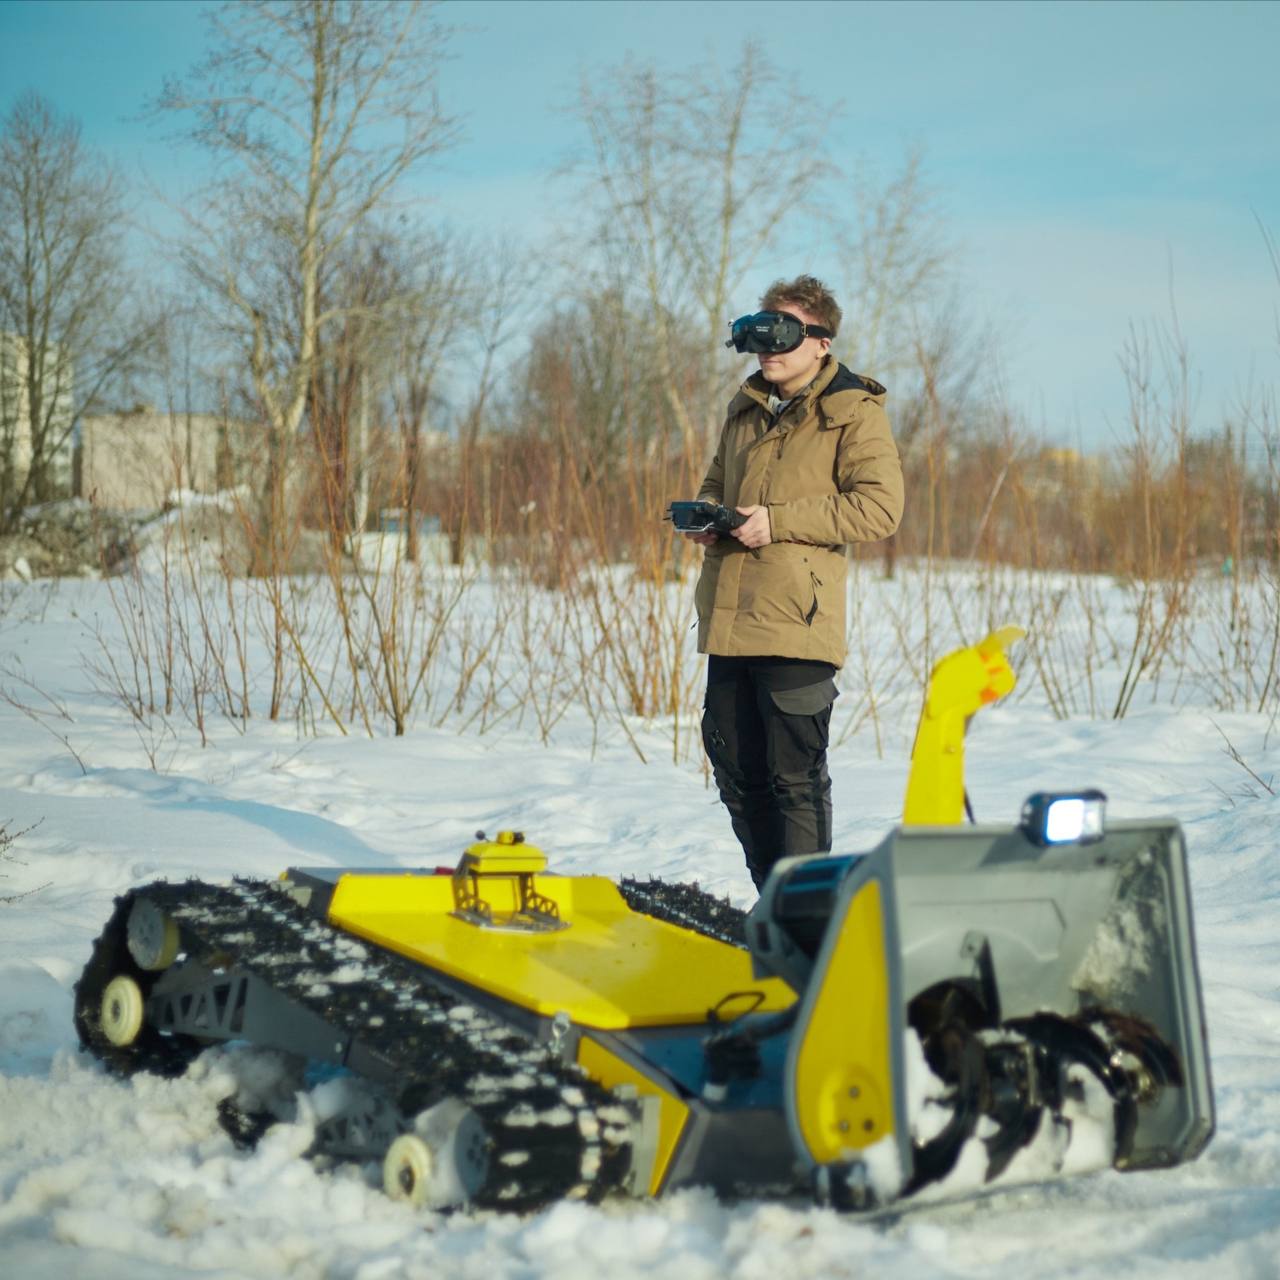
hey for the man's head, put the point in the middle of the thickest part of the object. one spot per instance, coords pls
(811, 302)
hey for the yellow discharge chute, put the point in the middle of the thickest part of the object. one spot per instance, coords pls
(959, 685)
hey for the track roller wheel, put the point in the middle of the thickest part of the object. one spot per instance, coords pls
(443, 1161)
(406, 1171)
(151, 936)
(120, 1014)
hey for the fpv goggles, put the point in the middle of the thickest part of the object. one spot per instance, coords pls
(772, 332)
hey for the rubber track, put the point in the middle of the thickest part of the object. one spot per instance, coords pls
(554, 1134)
(688, 906)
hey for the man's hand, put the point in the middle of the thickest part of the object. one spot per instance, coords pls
(756, 532)
(703, 539)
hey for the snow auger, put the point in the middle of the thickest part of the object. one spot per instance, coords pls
(961, 1006)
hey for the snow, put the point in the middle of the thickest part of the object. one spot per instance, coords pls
(109, 1179)
(1119, 954)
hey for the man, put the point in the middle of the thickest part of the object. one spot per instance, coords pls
(806, 455)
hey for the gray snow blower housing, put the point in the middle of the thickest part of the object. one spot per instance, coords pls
(1023, 971)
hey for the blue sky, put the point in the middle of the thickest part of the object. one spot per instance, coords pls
(1093, 160)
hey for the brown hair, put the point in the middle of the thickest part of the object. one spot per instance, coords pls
(807, 292)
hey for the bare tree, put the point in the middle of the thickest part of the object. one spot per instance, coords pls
(689, 178)
(68, 325)
(318, 109)
(906, 323)
(896, 267)
(361, 289)
(444, 304)
(405, 302)
(604, 389)
(503, 283)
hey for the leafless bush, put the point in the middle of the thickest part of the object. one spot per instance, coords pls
(6, 855)
(49, 712)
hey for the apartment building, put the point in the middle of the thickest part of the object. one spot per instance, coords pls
(55, 420)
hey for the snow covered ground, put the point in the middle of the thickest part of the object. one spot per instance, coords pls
(102, 1178)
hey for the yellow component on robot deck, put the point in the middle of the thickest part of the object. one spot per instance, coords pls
(603, 964)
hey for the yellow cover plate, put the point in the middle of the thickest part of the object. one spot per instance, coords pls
(612, 967)
(842, 1099)
(608, 1069)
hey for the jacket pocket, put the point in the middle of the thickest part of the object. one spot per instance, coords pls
(812, 612)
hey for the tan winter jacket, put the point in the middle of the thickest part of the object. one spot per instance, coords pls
(829, 473)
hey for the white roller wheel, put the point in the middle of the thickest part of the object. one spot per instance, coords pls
(122, 1009)
(406, 1171)
(152, 938)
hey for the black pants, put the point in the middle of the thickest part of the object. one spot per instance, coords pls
(765, 725)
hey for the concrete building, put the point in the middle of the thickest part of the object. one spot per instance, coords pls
(54, 428)
(133, 461)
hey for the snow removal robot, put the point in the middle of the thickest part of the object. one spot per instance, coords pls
(958, 1007)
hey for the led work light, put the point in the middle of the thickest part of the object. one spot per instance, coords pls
(1064, 817)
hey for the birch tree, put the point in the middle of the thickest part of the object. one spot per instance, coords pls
(316, 111)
